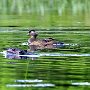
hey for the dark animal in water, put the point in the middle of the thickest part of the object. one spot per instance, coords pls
(14, 53)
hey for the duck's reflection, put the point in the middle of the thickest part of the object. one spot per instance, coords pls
(15, 53)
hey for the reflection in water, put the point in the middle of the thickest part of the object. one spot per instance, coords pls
(32, 6)
(36, 80)
(45, 12)
(31, 85)
(81, 83)
(38, 83)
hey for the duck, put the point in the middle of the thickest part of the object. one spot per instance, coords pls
(34, 43)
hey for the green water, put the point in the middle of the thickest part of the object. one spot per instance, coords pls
(59, 72)
(65, 20)
(45, 13)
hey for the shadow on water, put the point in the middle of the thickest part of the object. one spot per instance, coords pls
(46, 72)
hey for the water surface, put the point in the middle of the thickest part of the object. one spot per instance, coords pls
(51, 73)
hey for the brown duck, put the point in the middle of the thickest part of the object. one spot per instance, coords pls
(35, 43)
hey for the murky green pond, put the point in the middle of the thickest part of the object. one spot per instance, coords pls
(45, 13)
(46, 73)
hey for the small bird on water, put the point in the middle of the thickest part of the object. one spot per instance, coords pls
(35, 43)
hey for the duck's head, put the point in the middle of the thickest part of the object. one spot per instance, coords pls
(32, 33)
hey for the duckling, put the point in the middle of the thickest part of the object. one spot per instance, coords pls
(35, 43)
